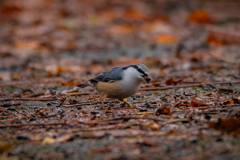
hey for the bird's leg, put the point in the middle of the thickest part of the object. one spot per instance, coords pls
(102, 103)
(125, 102)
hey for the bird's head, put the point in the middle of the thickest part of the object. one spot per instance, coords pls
(140, 71)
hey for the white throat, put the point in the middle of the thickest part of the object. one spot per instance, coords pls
(130, 83)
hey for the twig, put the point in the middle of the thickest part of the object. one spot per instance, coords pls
(32, 99)
(121, 118)
(33, 82)
(32, 124)
(175, 121)
(80, 94)
(63, 100)
(186, 86)
(205, 107)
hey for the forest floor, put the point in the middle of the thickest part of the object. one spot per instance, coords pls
(190, 110)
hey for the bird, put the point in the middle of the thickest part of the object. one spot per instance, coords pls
(119, 82)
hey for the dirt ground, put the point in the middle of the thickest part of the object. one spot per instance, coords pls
(190, 110)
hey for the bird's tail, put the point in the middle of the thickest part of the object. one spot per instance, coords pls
(85, 84)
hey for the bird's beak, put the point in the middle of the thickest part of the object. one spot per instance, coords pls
(147, 78)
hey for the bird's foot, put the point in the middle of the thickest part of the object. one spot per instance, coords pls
(103, 107)
(129, 105)
(125, 102)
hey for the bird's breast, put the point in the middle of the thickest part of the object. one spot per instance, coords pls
(119, 89)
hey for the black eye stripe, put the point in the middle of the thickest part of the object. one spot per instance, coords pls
(137, 68)
(140, 70)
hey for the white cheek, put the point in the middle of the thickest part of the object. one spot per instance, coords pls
(140, 77)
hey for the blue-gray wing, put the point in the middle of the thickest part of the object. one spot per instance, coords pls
(111, 75)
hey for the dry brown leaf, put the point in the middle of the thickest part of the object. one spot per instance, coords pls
(134, 14)
(154, 126)
(164, 110)
(212, 39)
(226, 125)
(172, 81)
(48, 140)
(199, 16)
(121, 29)
(165, 38)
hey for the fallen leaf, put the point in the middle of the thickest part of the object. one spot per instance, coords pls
(195, 104)
(199, 16)
(84, 112)
(173, 132)
(191, 104)
(226, 125)
(212, 39)
(121, 29)
(154, 126)
(108, 111)
(10, 9)
(63, 138)
(229, 101)
(48, 140)
(164, 110)
(4, 146)
(172, 81)
(225, 90)
(163, 38)
(134, 14)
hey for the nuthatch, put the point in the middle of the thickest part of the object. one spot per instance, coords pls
(119, 82)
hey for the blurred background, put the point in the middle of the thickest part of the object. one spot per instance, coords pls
(66, 37)
(193, 52)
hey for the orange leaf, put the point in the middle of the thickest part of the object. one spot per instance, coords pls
(196, 104)
(84, 112)
(164, 110)
(72, 82)
(199, 16)
(212, 39)
(228, 101)
(108, 111)
(226, 125)
(134, 60)
(109, 14)
(165, 38)
(182, 104)
(95, 68)
(134, 14)
(64, 83)
(10, 9)
(122, 29)
(172, 81)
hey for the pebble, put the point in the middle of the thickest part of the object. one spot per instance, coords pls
(163, 85)
(7, 105)
(148, 105)
(95, 112)
(138, 96)
(207, 117)
(11, 109)
(2, 118)
(22, 137)
(4, 114)
(143, 110)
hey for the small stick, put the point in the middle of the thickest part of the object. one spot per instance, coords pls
(186, 86)
(32, 124)
(63, 100)
(122, 118)
(32, 99)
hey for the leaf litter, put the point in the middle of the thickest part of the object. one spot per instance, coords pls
(189, 110)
